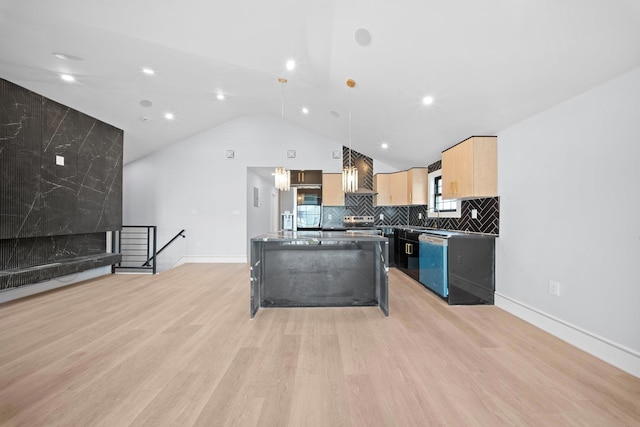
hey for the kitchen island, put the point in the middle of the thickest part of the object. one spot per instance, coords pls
(319, 269)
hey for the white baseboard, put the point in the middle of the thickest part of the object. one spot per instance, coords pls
(615, 354)
(26, 290)
(210, 260)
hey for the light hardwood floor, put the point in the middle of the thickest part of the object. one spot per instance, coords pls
(180, 349)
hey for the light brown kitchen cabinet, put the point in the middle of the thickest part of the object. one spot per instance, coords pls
(418, 186)
(332, 194)
(399, 190)
(382, 186)
(391, 189)
(470, 169)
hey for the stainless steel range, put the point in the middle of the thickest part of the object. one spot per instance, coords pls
(357, 222)
(360, 224)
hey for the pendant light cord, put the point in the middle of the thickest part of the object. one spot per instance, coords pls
(350, 127)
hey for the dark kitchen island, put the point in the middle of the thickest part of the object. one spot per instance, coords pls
(319, 269)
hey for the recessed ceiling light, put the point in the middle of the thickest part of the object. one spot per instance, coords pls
(362, 36)
(146, 103)
(305, 110)
(67, 77)
(427, 100)
(169, 116)
(291, 64)
(148, 71)
(384, 145)
(66, 56)
(220, 96)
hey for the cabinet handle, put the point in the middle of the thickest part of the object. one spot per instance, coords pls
(408, 248)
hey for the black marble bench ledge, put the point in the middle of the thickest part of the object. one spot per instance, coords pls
(12, 278)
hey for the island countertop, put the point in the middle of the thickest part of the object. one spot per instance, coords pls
(316, 236)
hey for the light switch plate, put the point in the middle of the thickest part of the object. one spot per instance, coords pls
(59, 160)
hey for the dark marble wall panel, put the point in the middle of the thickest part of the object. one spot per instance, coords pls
(59, 182)
(53, 213)
(99, 205)
(33, 251)
(20, 156)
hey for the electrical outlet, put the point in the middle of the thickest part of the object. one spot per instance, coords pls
(419, 215)
(381, 217)
(329, 217)
(554, 288)
(474, 213)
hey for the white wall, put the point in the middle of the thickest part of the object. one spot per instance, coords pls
(191, 184)
(569, 209)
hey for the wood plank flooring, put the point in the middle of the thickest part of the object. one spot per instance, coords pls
(179, 349)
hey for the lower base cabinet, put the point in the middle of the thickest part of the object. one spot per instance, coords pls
(458, 267)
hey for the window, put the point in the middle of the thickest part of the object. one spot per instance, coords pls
(439, 204)
(439, 207)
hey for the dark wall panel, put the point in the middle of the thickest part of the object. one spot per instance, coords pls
(41, 197)
(59, 182)
(34, 251)
(53, 217)
(100, 179)
(20, 156)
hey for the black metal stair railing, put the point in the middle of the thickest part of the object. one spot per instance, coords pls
(153, 258)
(137, 244)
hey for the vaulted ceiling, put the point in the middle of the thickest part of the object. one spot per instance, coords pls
(487, 64)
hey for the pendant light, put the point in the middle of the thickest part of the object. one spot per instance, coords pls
(282, 174)
(350, 173)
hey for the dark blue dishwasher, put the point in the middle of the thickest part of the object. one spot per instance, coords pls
(433, 263)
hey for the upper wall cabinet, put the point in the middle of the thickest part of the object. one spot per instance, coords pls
(470, 169)
(306, 177)
(332, 194)
(418, 186)
(391, 189)
(382, 187)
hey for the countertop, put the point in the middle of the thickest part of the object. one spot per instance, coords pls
(318, 236)
(438, 231)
